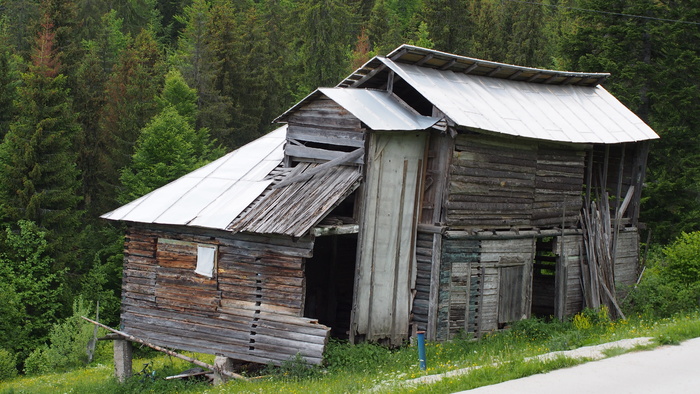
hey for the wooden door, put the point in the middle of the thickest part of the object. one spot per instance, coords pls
(386, 270)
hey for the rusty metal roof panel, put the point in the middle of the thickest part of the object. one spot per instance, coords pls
(213, 195)
(563, 113)
(295, 208)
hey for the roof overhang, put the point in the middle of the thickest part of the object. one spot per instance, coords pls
(553, 112)
(378, 109)
(428, 58)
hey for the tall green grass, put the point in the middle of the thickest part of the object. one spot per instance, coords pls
(365, 367)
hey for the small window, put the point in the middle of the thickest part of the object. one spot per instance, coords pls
(206, 256)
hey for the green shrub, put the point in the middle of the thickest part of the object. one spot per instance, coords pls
(537, 328)
(341, 355)
(682, 260)
(671, 282)
(68, 344)
(8, 362)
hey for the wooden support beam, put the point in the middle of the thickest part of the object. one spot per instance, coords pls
(167, 351)
(350, 157)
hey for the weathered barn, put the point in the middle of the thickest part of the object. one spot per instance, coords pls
(427, 191)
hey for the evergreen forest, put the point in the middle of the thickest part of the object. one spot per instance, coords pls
(103, 101)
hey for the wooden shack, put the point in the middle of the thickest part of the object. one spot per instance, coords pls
(427, 191)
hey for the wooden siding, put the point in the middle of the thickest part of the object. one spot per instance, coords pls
(513, 259)
(558, 186)
(321, 131)
(386, 269)
(250, 310)
(293, 209)
(502, 183)
(424, 259)
(627, 259)
(570, 253)
(461, 287)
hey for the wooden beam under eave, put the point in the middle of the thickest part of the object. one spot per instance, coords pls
(342, 229)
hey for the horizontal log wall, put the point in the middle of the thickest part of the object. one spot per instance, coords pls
(321, 131)
(558, 187)
(250, 310)
(500, 183)
(421, 301)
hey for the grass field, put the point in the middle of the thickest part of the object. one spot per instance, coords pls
(365, 367)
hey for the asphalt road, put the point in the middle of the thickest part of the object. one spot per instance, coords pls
(667, 370)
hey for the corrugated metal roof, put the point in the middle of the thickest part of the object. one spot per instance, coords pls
(294, 209)
(378, 109)
(214, 195)
(564, 113)
(430, 58)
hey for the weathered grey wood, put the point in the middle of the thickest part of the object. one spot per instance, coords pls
(326, 136)
(387, 264)
(166, 351)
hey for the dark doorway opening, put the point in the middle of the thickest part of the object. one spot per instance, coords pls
(330, 280)
(543, 278)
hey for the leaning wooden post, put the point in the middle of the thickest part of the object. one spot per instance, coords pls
(168, 351)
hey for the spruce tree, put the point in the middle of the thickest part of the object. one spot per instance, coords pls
(169, 146)
(90, 97)
(196, 60)
(131, 90)
(39, 180)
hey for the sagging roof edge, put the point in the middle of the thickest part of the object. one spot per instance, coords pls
(447, 61)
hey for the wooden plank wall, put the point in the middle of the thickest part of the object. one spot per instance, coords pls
(322, 131)
(498, 183)
(460, 301)
(492, 182)
(627, 259)
(569, 267)
(421, 301)
(558, 186)
(251, 310)
(512, 290)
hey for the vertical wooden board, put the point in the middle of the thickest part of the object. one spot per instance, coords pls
(627, 259)
(387, 254)
(514, 259)
(571, 246)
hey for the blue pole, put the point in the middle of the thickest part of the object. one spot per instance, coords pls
(421, 349)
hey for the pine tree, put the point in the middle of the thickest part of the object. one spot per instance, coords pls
(449, 24)
(383, 27)
(131, 91)
(9, 80)
(169, 146)
(326, 34)
(38, 175)
(196, 60)
(90, 97)
(37, 286)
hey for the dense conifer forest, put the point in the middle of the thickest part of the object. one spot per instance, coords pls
(102, 101)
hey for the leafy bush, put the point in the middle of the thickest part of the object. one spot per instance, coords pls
(341, 355)
(8, 370)
(671, 283)
(68, 344)
(537, 328)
